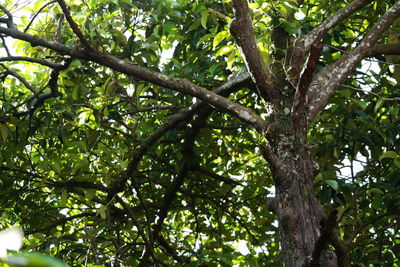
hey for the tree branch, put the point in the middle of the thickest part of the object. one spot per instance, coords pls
(360, 227)
(325, 83)
(215, 176)
(316, 34)
(149, 245)
(236, 81)
(242, 30)
(300, 97)
(304, 43)
(178, 84)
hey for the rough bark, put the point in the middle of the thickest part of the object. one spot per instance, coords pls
(298, 211)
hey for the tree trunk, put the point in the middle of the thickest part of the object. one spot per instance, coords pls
(299, 213)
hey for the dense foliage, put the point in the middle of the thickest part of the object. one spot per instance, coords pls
(194, 185)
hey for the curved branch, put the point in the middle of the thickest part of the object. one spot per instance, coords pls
(242, 30)
(360, 227)
(384, 49)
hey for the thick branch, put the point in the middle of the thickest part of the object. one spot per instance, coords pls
(276, 164)
(236, 81)
(242, 30)
(342, 251)
(326, 82)
(141, 73)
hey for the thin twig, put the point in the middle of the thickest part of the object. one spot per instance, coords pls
(37, 13)
(73, 25)
(372, 93)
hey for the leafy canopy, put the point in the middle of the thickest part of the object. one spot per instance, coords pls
(61, 158)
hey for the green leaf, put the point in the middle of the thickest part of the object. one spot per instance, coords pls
(379, 103)
(64, 196)
(4, 132)
(224, 50)
(389, 154)
(289, 26)
(170, 28)
(102, 212)
(204, 17)
(363, 105)
(285, 10)
(32, 259)
(219, 38)
(333, 184)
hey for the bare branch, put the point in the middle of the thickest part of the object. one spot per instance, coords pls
(237, 80)
(172, 190)
(41, 98)
(276, 164)
(242, 30)
(325, 83)
(73, 25)
(215, 176)
(149, 245)
(366, 224)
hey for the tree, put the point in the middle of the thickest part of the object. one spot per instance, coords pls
(114, 152)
